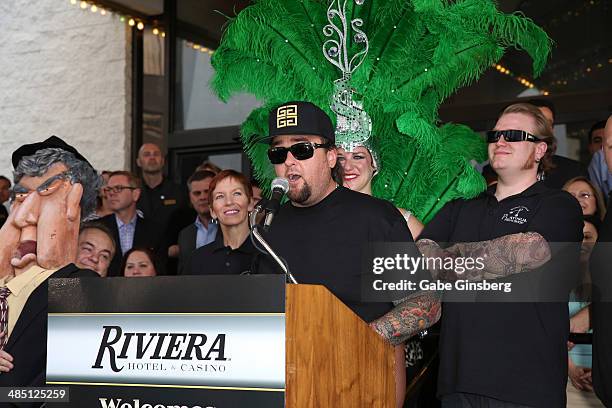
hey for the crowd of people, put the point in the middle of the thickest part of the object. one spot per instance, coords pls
(146, 225)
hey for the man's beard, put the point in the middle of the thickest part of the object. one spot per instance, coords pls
(530, 163)
(300, 196)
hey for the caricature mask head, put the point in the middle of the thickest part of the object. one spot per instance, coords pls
(53, 190)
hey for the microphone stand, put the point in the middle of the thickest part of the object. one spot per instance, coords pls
(255, 234)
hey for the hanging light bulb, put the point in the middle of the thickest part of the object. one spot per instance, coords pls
(132, 22)
(140, 25)
(156, 31)
(94, 8)
(83, 5)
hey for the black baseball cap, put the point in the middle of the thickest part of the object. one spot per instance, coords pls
(53, 142)
(300, 118)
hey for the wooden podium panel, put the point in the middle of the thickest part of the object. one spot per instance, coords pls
(333, 359)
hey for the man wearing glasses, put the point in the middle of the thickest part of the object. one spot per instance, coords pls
(323, 228)
(511, 354)
(55, 188)
(129, 229)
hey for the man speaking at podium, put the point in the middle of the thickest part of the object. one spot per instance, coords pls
(321, 231)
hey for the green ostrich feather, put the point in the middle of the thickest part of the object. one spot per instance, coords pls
(420, 53)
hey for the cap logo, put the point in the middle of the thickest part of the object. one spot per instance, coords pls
(286, 116)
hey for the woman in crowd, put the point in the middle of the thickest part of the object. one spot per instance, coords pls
(359, 168)
(232, 252)
(139, 262)
(580, 385)
(588, 195)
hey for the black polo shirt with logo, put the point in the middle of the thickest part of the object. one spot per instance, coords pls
(217, 259)
(514, 352)
(166, 203)
(162, 201)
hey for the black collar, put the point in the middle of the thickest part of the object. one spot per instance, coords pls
(218, 245)
(535, 189)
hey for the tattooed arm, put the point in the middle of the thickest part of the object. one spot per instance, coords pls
(415, 313)
(503, 256)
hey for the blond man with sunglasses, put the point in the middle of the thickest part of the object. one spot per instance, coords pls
(510, 351)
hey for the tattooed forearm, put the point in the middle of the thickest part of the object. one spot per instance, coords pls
(417, 312)
(502, 257)
(507, 255)
(435, 256)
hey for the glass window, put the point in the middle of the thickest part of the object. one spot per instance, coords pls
(197, 106)
(153, 101)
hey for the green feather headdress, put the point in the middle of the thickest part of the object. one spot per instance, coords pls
(420, 52)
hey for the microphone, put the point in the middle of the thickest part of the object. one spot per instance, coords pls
(280, 187)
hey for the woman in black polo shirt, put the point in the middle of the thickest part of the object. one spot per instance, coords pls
(231, 252)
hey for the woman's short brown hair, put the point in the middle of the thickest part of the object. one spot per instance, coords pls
(233, 174)
(543, 131)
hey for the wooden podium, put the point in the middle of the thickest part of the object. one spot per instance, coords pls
(333, 358)
(271, 344)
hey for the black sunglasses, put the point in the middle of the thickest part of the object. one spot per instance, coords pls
(301, 151)
(511, 136)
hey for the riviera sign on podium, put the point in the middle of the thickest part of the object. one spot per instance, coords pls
(117, 343)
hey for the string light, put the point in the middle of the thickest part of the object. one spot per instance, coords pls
(196, 46)
(582, 8)
(132, 21)
(586, 68)
(523, 81)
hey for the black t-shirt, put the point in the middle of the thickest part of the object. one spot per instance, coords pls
(601, 318)
(217, 259)
(322, 244)
(513, 352)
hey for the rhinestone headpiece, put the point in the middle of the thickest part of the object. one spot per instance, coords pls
(354, 125)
